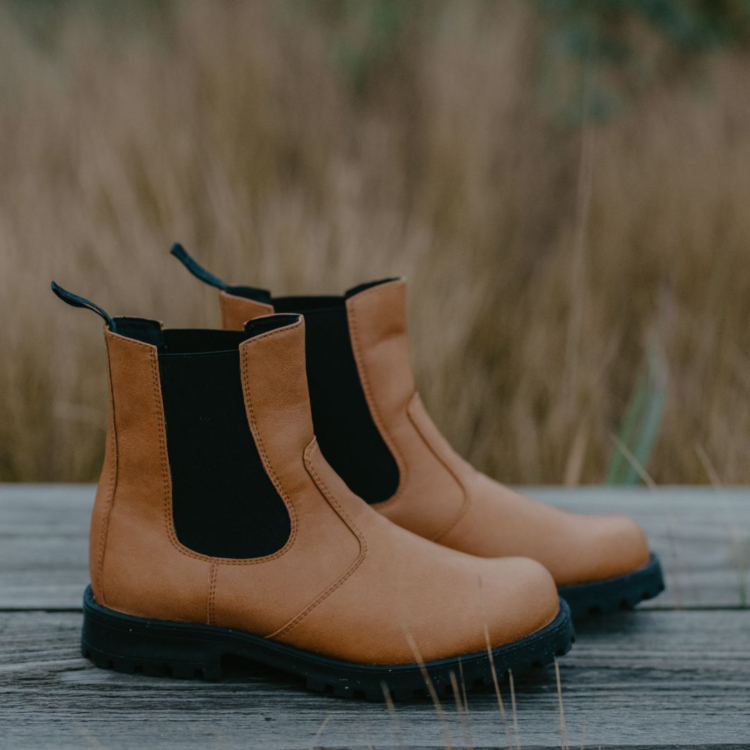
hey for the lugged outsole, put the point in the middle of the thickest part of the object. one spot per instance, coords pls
(615, 594)
(159, 648)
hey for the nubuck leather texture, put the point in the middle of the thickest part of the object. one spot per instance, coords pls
(224, 530)
(436, 494)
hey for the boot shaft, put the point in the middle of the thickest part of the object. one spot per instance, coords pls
(216, 507)
(440, 496)
(356, 344)
(184, 451)
(371, 424)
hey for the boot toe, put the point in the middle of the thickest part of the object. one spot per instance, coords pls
(519, 598)
(611, 546)
(628, 544)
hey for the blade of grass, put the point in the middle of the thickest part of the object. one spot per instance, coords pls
(515, 712)
(392, 711)
(642, 421)
(469, 738)
(460, 708)
(495, 682)
(739, 553)
(431, 690)
(563, 730)
(314, 743)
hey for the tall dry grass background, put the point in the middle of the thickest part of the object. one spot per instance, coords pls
(288, 145)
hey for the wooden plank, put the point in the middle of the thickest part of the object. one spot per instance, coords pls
(661, 679)
(44, 545)
(702, 535)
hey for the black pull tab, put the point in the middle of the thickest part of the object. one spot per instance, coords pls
(197, 270)
(75, 301)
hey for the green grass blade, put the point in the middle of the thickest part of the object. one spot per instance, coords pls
(643, 419)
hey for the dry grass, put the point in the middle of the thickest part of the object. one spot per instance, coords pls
(537, 270)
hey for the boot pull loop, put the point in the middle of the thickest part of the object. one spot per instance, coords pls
(75, 301)
(249, 292)
(196, 269)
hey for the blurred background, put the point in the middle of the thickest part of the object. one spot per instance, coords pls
(565, 184)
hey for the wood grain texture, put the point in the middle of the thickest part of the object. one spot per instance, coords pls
(702, 536)
(675, 676)
(666, 679)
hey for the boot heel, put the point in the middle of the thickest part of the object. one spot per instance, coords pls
(135, 645)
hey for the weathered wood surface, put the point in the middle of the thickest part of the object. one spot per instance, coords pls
(649, 678)
(676, 676)
(703, 537)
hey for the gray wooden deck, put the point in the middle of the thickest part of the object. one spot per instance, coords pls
(674, 674)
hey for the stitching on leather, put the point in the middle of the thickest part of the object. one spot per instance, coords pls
(166, 478)
(211, 598)
(112, 489)
(116, 473)
(223, 307)
(132, 342)
(328, 495)
(168, 495)
(467, 495)
(259, 438)
(374, 411)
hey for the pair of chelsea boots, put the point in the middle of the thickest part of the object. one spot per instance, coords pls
(275, 490)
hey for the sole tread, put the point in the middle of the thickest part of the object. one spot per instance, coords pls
(130, 645)
(617, 594)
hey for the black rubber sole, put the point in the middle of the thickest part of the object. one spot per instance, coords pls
(174, 649)
(615, 594)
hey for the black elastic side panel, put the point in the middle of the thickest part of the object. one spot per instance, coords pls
(224, 504)
(346, 432)
(205, 340)
(140, 329)
(200, 340)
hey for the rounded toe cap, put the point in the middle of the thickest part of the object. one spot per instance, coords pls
(628, 544)
(519, 598)
(610, 546)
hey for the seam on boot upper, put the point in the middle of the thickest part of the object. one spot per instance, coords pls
(261, 450)
(467, 498)
(328, 496)
(351, 307)
(112, 489)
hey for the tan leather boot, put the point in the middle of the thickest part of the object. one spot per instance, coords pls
(362, 392)
(219, 529)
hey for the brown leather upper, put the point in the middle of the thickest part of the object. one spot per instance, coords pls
(440, 496)
(347, 584)
(235, 311)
